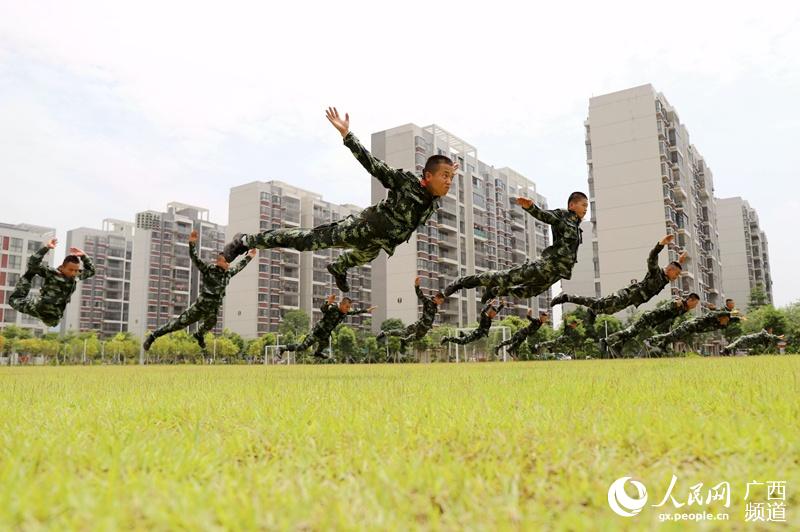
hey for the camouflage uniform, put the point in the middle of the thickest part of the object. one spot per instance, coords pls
(383, 226)
(331, 317)
(566, 341)
(55, 293)
(206, 307)
(484, 325)
(749, 341)
(652, 318)
(420, 328)
(709, 322)
(653, 283)
(524, 333)
(532, 278)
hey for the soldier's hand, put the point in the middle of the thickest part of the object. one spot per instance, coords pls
(417, 280)
(252, 253)
(78, 252)
(530, 312)
(666, 240)
(370, 309)
(193, 236)
(52, 243)
(525, 203)
(331, 298)
(342, 125)
(683, 257)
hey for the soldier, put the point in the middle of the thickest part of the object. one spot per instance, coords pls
(567, 340)
(205, 309)
(764, 338)
(652, 318)
(420, 328)
(532, 278)
(410, 203)
(654, 281)
(524, 333)
(57, 287)
(332, 315)
(714, 320)
(487, 315)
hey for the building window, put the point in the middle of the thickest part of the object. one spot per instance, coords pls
(15, 245)
(14, 262)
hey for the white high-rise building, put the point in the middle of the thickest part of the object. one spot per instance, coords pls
(163, 280)
(17, 243)
(280, 279)
(646, 179)
(744, 250)
(101, 303)
(475, 229)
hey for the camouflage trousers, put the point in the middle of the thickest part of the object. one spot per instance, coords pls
(21, 301)
(680, 333)
(524, 281)
(750, 341)
(308, 341)
(203, 310)
(622, 336)
(349, 232)
(610, 304)
(512, 344)
(408, 334)
(464, 339)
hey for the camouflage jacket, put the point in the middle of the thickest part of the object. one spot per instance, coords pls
(665, 314)
(429, 309)
(761, 338)
(567, 236)
(215, 279)
(56, 289)
(529, 330)
(331, 317)
(393, 220)
(485, 322)
(654, 281)
(709, 322)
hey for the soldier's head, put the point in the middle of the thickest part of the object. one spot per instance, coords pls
(572, 324)
(730, 304)
(221, 262)
(438, 298)
(692, 301)
(71, 267)
(544, 317)
(438, 175)
(345, 304)
(578, 203)
(673, 270)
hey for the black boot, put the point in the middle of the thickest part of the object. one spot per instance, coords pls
(148, 342)
(340, 278)
(489, 294)
(559, 299)
(235, 247)
(200, 339)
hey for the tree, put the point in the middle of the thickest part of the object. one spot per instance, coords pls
(255, 348)
(392, 323)
(758, 297)
(295, 322)
(345, 343)
(2, 343)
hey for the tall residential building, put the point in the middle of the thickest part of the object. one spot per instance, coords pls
(744, 251)
(646, 180)
(101, 303)
(475, 229)
(163, 281)
(17, 243)
(285, 279)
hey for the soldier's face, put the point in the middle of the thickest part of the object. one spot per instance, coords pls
(70, 270)
(579, 207)
(344, 306)
(723, 320)
(438, 182)
(222, 263)
(544, 318)
(491, 314)
(438, 300)
(672, 272)
(691, 303)
(730, 304)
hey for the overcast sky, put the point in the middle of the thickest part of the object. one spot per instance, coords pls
(107, 110)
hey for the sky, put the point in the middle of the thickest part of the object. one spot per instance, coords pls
(107, 109)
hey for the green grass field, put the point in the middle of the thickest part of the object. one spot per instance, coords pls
(482, 446)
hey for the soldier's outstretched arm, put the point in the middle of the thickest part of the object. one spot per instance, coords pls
(388, 176)
(652, 258)
(88, 267)
(202, 266)
(548, 217)
(244, 262)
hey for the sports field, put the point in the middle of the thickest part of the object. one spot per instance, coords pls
(482, 446)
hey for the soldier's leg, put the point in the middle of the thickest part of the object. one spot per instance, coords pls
(207, 325)
(497, 279)
(355, 257)
(20, 299)
(193, 314)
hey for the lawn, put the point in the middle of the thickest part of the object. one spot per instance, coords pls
(485, 446)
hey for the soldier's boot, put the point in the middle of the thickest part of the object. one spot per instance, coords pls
(488, 294)
(236, 247)
(560, 299)
(200, 339)
(590, 317)
(148, 342)
(452, 289)
(445, 340)
(403, 344)
(340, 278)
(381, 336)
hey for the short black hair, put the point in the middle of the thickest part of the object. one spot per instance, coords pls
(440, 294)
(676, 264)
(433, 162)
(71, 259)
(576, 196)
(693, 295)
(345, 298)
(729, 299)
